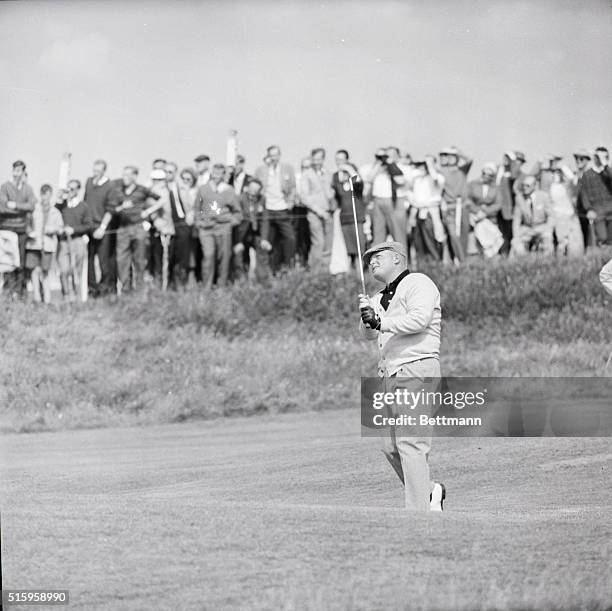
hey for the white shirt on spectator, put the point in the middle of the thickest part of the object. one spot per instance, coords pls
(274, 193)
(381, 183)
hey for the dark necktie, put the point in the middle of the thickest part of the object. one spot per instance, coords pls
(178, 205)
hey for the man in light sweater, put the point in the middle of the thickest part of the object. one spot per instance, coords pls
(405, 319)
(317, 196)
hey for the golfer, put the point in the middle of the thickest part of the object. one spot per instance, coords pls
(405, 320)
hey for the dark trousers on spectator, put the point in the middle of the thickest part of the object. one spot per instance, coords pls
(505, 227)
(180, 255)
(105, 250)
(131, 242)
(603, 230)
(424, 239)
(389, 218)
(302, 234)
(156, 261)
(242, 260)
(282, 238)
(195, 259)
(216, 254)
(457, 229)
(17, 280)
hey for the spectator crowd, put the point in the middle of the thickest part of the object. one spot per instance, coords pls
(211, 223)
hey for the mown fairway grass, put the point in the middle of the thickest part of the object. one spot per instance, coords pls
(297, 512)
(290, 346)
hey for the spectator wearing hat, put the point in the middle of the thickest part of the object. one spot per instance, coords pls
(202, 168)
(509, 177)
(317, 195)
(483, 206)
(405, 318)
(532, 224)
(424, 217)
(279, 189)
(455, 166)
(559, 182)
(17, 201)
(596, 196)
(217, 211)
(77, 222)
(99, 191)
(382, 179)
(131, 204)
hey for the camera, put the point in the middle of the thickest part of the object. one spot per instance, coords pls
(383, 158)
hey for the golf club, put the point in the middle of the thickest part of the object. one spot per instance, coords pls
(360, 264)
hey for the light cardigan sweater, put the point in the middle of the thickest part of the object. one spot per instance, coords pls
(605, 276)
(410, 328)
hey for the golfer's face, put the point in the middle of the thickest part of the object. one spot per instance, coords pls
(381, 263)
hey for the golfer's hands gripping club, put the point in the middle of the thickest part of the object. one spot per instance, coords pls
(368, 315)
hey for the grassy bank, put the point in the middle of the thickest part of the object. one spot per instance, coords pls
(288, 346)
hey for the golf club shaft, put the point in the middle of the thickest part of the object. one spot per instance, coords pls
(360, 262)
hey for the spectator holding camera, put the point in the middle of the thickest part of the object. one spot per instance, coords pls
(424, 219)
(596, 195)
(455, 166)
(381, 181)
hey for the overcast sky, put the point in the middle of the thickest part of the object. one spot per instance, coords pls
(130, 81)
